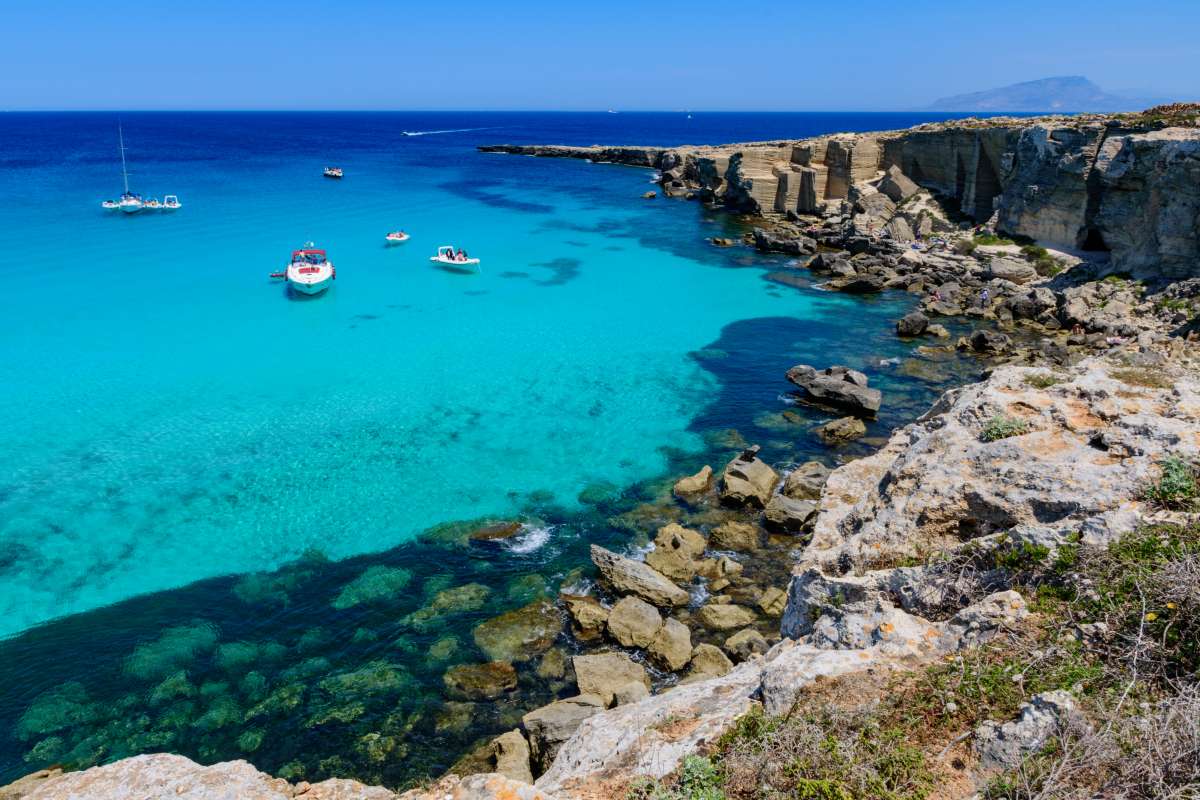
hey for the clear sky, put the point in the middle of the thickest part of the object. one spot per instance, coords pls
(527, 54)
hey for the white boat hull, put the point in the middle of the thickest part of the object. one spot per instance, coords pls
(130, 208)
(310, 288)
(309, 282)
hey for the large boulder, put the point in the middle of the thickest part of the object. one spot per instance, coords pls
(739, 536)
(1007, 745)
(748, 480)
(840, 431)
(912, 324)
(986, 341)
(626, 576)
(806, 481)
(521, 634)
(551, 725)
(676, 549)
(512, 756)
(896, 185)
(672, 645)
(634, 622)
(589, 617)
(480, 681)
(745, 644)
(1014, 270)
(694, 484)
(785, 515)
(838, 387)
(602, 674)
(724, 616)
(708, 662)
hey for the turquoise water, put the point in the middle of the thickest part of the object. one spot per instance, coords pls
(172, 415)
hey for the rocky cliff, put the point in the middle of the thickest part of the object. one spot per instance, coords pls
(1129, 184)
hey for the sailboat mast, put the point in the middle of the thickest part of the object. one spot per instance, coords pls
(124, 171)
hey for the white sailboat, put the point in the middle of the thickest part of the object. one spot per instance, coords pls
(129, 202)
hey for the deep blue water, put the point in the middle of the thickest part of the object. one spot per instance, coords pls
(176, 422)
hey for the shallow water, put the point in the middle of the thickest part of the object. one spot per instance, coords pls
(173, 416)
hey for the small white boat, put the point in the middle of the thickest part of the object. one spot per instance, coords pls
(396, 237)
(309, 271)
(110, 205)
(130, 203)
(445, 255)
(171, 203)
(333, 172)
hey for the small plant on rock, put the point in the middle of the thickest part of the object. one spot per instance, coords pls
(1002, 427)
(1042, 380)
(1137, 376)
(1176, 486)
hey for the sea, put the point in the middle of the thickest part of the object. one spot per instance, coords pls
(221, 503)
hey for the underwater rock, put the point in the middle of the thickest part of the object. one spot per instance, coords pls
(603, 673)
(496, 532)
(525, 589)
(454, 717)
(595, 494)
(444, 648)
(553, 665)
(64, 706)
(521, 634)
(374, 678)
(173, 687)
(175, 648)
(627, 576)
(374, 585)
(748, 480)
(480, 681)
(378, 748)
(224, 711)
(237, 656)
(840, 431)
(633, 622)
(460, 599)
(280, 701)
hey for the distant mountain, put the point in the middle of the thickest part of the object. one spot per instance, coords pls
(1067, 93)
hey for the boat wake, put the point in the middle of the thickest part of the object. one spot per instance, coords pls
(530, 538)
(451, 130)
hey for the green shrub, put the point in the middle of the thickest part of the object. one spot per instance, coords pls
(992, 239)
(1002, 427)
(1042, 380)
(964, 247)
(1176, 485)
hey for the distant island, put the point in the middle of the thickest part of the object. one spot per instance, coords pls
(1065, 93)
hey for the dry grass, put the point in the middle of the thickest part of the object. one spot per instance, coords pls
(1149, 378)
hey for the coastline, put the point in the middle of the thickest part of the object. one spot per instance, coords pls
(852, 514)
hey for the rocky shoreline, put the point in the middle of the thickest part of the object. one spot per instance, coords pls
(1071, 244)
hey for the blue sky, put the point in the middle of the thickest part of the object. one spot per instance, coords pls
(520, 54)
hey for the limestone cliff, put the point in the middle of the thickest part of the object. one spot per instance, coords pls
(1125, 183)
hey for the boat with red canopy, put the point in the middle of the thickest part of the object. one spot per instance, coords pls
(310, 271)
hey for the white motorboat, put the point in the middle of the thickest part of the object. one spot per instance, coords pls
(333, 172)
(446, 255)
(309, 271)
(171, 203)
(396, 237)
